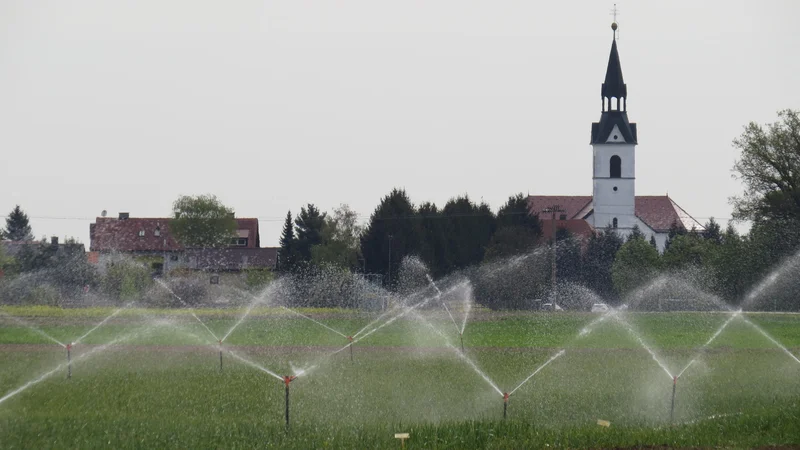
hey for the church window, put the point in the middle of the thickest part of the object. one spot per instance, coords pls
(614, 222)
(615, 189)
(141, 233)
(562, 217)
(616, 137)
(613, 103)
(616, 167)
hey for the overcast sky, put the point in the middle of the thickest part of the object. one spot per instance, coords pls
(125, 105)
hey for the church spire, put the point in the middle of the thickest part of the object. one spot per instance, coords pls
(614, 85)
(614, 127)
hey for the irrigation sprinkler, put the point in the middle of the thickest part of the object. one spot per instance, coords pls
(69, 361)
(220, 355)
(461, 335)
(672, 406)
(350, 338)
(286, 380)
(505, 405)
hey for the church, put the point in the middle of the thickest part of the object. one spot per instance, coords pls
(613, 203)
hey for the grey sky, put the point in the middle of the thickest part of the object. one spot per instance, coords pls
(124, 105)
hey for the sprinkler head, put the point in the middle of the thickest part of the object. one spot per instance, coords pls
(505, 397)
(674, 380)
(69, 346)
(288, 379)
(350, 338)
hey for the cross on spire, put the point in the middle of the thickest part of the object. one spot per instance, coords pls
(614, 25)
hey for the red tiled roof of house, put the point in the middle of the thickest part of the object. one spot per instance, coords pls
(572, 204)
(148, 234)
(577, 227)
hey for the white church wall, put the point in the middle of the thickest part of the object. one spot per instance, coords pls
(614, 197)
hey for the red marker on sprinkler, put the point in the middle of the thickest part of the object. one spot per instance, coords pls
(288, 379)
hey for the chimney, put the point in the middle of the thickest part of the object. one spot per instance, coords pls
(54, 240)
(124, 216)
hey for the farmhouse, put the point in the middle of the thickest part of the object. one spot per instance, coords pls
(150, 239)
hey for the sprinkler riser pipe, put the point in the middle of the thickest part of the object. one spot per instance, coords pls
(672, 407)
(505, 405)
(462, 342)
(69, 362)
(287, 405)
(220, 360)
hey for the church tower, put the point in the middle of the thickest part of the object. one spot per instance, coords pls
(613, 146)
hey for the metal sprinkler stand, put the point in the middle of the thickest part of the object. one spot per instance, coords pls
(288, 379)
(220, 355)
(672, 408)
(69, 361)
(350, 338)
(461, 335)
(505, 405)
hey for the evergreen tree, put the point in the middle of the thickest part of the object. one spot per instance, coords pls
(636, 233)
(653, 241)
(433, 239)
(17, 226)
(674, 230)
(286, 253)
(517, 230)
(712, 232)
(469, 228)
(310, 223)
(568, 256)
(600, 253)
(391, 235)
(515, 212)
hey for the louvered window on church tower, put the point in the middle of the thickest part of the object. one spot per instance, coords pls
(614, 222)
(616, 166)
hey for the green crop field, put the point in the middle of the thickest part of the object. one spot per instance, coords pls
(159, 383)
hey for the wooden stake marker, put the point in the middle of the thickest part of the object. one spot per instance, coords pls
(402, 437)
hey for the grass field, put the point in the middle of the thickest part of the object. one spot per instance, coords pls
(160, 384)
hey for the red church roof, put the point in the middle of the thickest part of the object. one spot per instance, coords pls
(659, 212)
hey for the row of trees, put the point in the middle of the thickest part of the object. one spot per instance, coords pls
(464, 236)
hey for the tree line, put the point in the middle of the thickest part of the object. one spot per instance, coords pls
(468, 237)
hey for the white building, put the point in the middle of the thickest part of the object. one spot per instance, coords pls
(614, 203)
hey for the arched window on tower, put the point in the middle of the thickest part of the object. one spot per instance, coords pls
(616, 167)
(613, 103)
(614, 222)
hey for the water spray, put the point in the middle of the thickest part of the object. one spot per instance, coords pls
(286, 380)
(350, 338)
(69, 360)
(672, 407)
(505, 405)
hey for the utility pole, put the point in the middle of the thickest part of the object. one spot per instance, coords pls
(554, 209)
(389, 275)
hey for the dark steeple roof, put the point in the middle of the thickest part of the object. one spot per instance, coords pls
(614, 112)
(614, 86)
